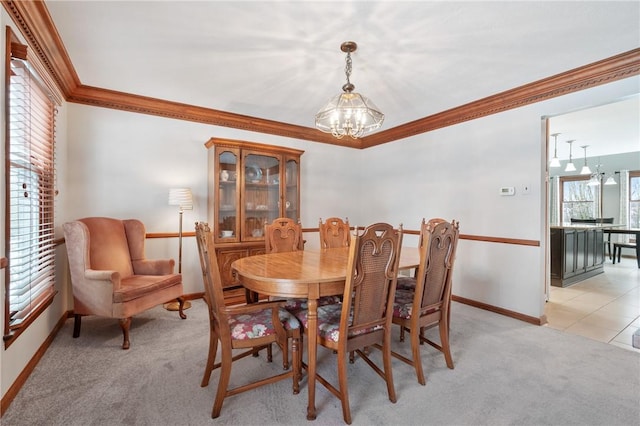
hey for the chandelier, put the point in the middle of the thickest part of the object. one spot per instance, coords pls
(349, 113)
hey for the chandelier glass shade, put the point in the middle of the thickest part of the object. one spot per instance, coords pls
(349, 113)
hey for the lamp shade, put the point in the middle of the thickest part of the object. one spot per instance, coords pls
(181, 197)
(570, 167)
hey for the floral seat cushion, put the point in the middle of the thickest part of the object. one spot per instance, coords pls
(294, 304)
(329, 322)
(403, 303)
(406, 283)
(259, 324)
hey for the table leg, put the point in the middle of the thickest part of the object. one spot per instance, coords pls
(638, 251)
(312, 327)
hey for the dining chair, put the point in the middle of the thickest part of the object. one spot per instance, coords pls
(283, 235)
(110, 274)
(334, 232)
(424, 301)
(365, 318)
(248, 327)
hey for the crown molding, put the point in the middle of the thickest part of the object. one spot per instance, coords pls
(605, 71)
(36, 25)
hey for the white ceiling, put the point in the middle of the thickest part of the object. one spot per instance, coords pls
(281, 60)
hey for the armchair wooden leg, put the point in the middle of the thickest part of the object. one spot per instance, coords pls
(77, 322)
(125, 323)
(181, 308)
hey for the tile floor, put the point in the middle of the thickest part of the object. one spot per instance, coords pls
(604, 308)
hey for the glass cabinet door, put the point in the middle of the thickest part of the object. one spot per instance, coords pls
(292, 182)
(261, 202)
(226, 211)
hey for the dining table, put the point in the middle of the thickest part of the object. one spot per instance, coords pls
(626, 231)
(310, 274)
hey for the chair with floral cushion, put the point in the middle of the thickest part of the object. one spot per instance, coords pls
(334, 232)
(248, 327)
(365, 321)
(424, 301)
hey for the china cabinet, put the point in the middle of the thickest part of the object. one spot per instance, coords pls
(249, 185)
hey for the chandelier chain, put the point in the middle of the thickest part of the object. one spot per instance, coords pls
(347, 67)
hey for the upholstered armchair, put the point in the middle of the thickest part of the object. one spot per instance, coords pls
(110, 275)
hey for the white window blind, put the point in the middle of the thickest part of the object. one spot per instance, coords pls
(30, 183)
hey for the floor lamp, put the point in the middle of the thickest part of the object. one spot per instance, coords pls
(182, 198)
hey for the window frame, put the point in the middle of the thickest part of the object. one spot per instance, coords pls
(633, 175)
(34, 158)
(574, 178)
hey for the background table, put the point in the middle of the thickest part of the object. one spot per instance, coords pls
(628, 231)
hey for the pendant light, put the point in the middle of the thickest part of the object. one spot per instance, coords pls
(570, 166)
(554, 161)
(610, 181)
(349, 113)
(585, 169)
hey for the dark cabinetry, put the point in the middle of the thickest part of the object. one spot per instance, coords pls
(576, 254)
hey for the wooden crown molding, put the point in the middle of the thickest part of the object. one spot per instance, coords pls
(38, 28)
(605, 71)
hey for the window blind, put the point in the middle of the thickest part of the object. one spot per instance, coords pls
(30, 191)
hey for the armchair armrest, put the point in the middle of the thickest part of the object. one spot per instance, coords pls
(103, 278)
(153, 266)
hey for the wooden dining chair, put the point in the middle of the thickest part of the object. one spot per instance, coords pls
(334, 232)
(366, 319)
(283, 235)
(249, 327)
(424, 301)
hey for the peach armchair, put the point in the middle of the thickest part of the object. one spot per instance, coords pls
(110, 275)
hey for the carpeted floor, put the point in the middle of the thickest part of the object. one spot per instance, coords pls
(506, 372)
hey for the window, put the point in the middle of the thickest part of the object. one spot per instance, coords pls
(30, 178)
(579, 201)
(634, 199)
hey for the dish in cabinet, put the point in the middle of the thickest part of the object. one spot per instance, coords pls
(252, 173)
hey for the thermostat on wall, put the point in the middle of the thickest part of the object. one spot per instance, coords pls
(507, 190)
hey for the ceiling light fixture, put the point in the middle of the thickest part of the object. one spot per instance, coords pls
(610, 181)
(585, 169)
(349, 113)
(570, 166)
(554, 161)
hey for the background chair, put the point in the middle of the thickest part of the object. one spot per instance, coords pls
(334, 232)
(365, 320)
(251, 327)
(427, 302)
(110, 275)
(283, 235)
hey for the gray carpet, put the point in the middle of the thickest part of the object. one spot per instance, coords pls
(506, 372)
